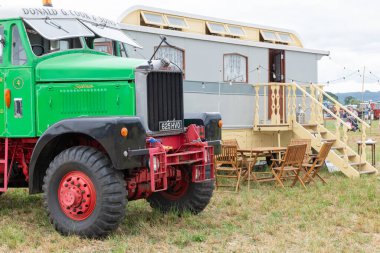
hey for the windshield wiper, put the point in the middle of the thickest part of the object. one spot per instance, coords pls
(51, 22)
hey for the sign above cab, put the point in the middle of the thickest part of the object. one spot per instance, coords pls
(68, 24)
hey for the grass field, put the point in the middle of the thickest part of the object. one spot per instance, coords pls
(342, 216)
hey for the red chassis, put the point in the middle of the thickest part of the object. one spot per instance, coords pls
(169, 158)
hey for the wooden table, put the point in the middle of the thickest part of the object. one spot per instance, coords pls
(251, 156)
(371, 143)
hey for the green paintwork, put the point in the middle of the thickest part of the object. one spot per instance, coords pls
(61, 85)
(85, 66)
(57, 101)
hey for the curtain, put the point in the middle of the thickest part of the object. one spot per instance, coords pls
(235, 68)
(173, 54)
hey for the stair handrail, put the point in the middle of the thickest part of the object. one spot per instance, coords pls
(341, 106)
(321, 105)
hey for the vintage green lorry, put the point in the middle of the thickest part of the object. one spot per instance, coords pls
(92, 130)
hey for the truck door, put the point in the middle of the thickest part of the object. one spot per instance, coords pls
(2, 44)
(18, 80)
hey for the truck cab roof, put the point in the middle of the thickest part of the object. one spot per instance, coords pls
(56, 24)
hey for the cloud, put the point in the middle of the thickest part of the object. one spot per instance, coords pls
(347, 28)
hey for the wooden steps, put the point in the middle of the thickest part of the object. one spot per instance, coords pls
(341, 155)
(366, 172)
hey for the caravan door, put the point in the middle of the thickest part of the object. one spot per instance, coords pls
(277, 75)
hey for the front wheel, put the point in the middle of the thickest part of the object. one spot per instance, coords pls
(83, 193)
(184, 196)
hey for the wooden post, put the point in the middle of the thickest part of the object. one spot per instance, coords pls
(363, 145)
(294, 117)
(266, 112)
(337, 123)
(289, 113)
(278, 105)
(257, 104)
(273, 105)
(312, 106)
(320, 109)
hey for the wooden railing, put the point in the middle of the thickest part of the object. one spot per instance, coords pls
(283, 104)
(362, 124)
(280, 103)
(273, 104)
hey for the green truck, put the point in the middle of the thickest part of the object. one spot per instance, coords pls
(92, 130)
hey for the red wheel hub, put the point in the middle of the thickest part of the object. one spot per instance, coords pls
(77, 195)
(179, 189)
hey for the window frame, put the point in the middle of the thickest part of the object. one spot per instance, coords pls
(183, 57)
(234, 34)
(108, 44)
(176, 26)
(285, 41)
(22, 44)
(262, 32)
(153, 23)
(246, 68)
(208, 24)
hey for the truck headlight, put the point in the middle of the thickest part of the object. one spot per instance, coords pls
(156, 164)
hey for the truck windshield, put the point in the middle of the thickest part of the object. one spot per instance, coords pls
(41, 45)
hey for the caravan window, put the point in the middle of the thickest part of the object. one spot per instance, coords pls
(235, 68)
(153, 19)
(236, 31)
(175, 55)
(216, 28)
(267, 35)
(176, 22)
(285, 37)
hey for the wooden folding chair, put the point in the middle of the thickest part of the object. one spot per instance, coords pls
(227, 167)
(234, 142)
(298, 142)
(308, 147)
(312, 168)
(290, 163)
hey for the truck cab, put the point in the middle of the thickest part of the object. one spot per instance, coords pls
(79, 122)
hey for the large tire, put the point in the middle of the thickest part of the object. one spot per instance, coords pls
(83, 194)
(186, 196)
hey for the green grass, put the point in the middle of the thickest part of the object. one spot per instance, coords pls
(343, 215)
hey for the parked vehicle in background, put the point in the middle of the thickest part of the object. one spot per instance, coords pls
(376, 110)
(92, 130)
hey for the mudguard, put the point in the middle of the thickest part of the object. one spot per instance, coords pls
(105, 130)
(210, 121)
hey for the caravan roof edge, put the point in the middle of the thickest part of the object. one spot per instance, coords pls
(195, 16)
(219, 39)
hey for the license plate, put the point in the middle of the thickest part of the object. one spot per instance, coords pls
(170, 125)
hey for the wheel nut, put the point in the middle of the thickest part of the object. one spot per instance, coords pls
(83, 191)
(66, 185)
(83, 200)
(72, 182)
(78, 185)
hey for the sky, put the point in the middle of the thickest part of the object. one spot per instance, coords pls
(348, 29)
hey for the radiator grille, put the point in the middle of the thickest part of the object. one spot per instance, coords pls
(165, 98)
